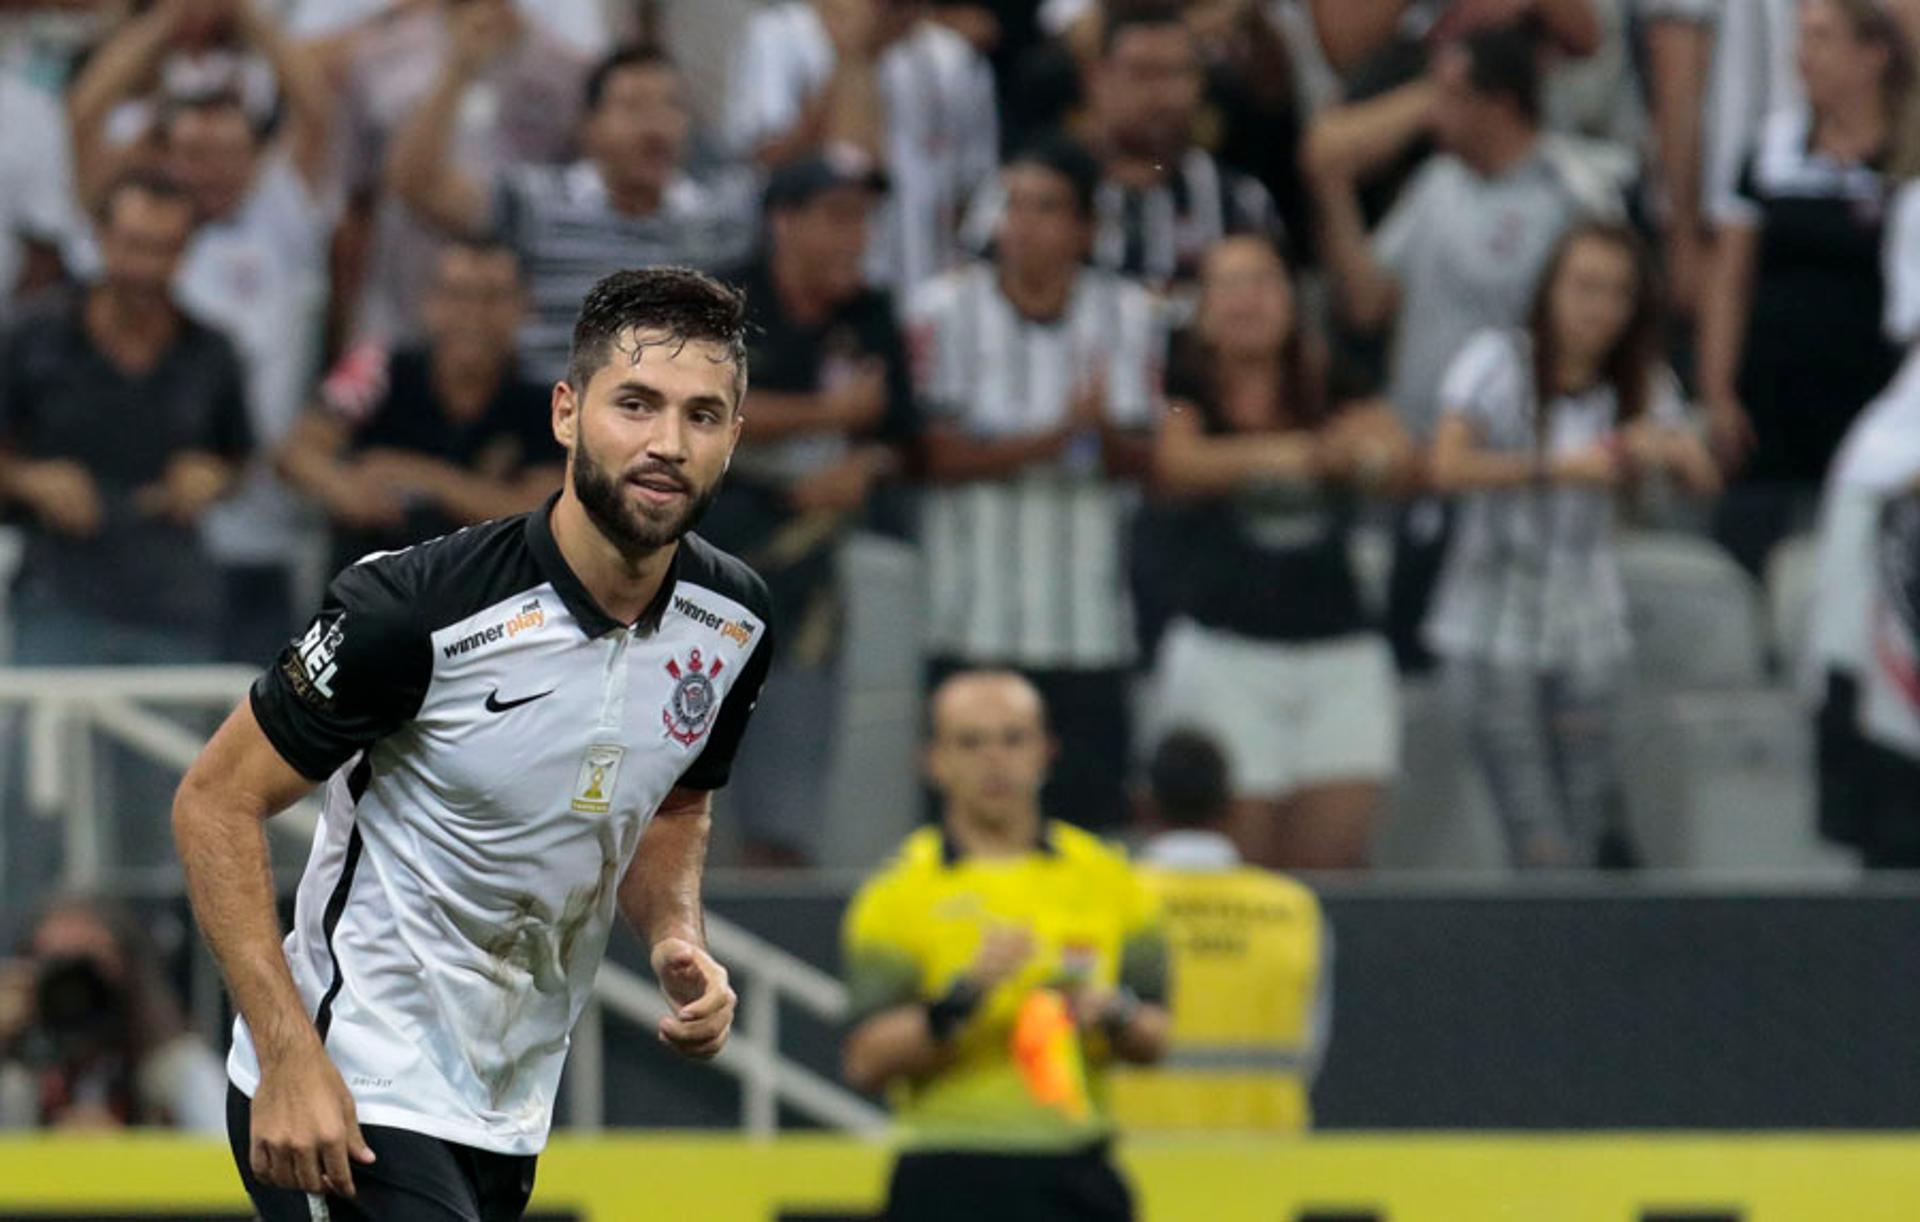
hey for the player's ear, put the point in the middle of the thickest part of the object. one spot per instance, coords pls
(566, 413)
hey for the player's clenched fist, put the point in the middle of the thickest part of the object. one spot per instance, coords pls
(703, 1001)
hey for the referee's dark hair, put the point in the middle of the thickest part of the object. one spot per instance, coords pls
(1504, 62)
(1187, 780)
(674, 305)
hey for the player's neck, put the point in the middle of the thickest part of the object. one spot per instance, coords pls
(623, 586)
(994, 838)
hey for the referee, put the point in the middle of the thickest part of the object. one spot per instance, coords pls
(518, 727)
(995, 967)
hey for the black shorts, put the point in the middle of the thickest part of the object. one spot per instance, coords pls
(937, 1186)
(412, 1177)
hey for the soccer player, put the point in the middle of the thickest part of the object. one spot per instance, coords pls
(996, 966)
(519, 726)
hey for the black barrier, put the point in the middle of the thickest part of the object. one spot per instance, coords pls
(1582, 1010)
(1579, 1009)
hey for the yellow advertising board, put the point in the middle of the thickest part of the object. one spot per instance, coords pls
(1628, 1178)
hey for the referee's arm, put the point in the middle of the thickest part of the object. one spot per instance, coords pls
(304, 1127)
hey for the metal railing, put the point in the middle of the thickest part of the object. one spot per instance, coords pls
(65, 708)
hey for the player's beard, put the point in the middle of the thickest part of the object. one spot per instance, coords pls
(629, 526)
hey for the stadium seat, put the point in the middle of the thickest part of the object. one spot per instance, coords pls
(873, 795)
(1721, 782)
(1792, 576)
(1695, 615)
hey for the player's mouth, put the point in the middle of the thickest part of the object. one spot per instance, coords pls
(659, 489)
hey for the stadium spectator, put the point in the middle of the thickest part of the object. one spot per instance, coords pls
(828, 415)
(256, 268)
(522, 108)
(1461, 251)
(882, 78)
(580, 24)
(1539, 428)
(627, 203)
(1039, 381)
(1163, 200)
(1271, 652)
(124, 420)
(1678, 38)
(995, 968)
(91, 1037)
(408, 445)
(1252, 961)
(1865, 791)
(36, 190)
(1790, 342)
(1751, 76)
(1889, 718)
(1351, 33)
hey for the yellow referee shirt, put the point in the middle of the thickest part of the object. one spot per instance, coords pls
(1250, 995)
(915, 928)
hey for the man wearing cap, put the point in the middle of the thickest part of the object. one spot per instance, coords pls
(830, 407)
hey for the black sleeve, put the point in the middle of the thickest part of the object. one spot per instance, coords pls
(715, 764)
(229, 428)
(14, 420)
(901, 425)
(356, 674)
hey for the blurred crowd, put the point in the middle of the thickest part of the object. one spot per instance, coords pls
(1133, 316)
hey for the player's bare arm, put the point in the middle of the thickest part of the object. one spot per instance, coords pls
(660, 898)
(305, 1134)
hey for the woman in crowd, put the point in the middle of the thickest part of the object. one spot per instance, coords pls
(1540, 427)
(1790, 343)
(1269, 651)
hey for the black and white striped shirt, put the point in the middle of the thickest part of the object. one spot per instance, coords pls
(569, 236)
(942, 126)
(1029, 569)
(1161, 233)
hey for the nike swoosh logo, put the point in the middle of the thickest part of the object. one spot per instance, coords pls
(497, 705)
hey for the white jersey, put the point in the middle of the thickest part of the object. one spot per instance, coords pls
(495, 744)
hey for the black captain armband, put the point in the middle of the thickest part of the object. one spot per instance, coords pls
(950, 1012)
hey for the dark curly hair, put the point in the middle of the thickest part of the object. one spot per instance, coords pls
(665, 305)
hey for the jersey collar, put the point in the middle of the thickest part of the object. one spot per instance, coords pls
(951, 854)
(594, 622)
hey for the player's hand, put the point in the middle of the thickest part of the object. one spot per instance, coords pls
(62, 495)
(1003, 952)
(305, 1133)
(703, 1001)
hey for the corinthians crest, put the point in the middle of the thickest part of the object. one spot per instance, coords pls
(690, 709)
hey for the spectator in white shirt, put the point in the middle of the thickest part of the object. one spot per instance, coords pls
(883, 78)
(1538, 427)
(37, 214)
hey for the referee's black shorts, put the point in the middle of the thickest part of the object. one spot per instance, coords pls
(950, 1186)
(412, 1177)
